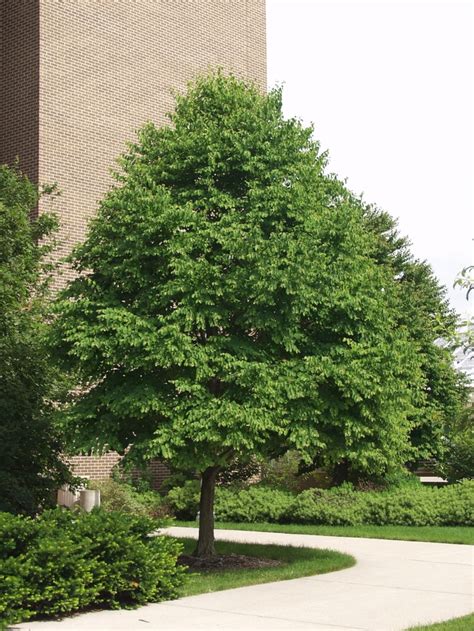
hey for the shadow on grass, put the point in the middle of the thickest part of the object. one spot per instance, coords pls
(295, 563)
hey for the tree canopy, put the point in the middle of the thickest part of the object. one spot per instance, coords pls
(230, 301)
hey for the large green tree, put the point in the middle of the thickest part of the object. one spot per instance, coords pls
(228, 303)
(31, 468)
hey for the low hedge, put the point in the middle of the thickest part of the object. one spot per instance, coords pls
(410, 505)
(64, 561)
(255, 503)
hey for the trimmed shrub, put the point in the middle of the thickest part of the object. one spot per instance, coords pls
(183, 501)
(456, 504)
(401, 507)
(409, 505)
(124, 498)
(64, 561)
(257, 503)
(406, 506)
(335, 507)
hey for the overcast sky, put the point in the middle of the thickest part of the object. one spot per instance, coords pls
(389, 86)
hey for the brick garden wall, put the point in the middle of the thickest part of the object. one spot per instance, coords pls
(100, 468)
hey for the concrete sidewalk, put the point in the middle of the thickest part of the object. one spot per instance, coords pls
(395, 584)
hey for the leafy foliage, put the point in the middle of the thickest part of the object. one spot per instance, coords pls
(289, 472)
(183, 500)
(240, 472)
(256, 503)
(252, 505)
(30, 448)
(406, 505)
(117, 496)
(228, 301)
(457, 462)
(423, 310)
(458, 459)
(465, 337)
(65, 561)
(283, 472)
(234, 300)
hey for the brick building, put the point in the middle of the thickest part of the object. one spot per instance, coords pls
(79, 77)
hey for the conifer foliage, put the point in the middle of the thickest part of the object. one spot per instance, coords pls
(229, 302)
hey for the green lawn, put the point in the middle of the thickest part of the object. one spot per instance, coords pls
(466, 623)
(437, 534)
(296, 562)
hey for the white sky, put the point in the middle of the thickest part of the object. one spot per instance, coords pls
(389, 86)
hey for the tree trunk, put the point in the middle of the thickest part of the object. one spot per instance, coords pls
(205, 546)
(344, 472)
(340, 473)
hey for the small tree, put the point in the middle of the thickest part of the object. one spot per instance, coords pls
(228, 304)
(458, 458)
(31, 468)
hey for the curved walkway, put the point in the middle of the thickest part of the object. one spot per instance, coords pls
(394, 585)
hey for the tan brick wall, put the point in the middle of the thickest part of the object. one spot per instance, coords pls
(107, 66)
(81, 76)
(19, 84)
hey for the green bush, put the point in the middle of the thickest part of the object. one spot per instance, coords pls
(458, 462)
(402, 507)
(456, 505)
(64, 561)
(289, 473)
(124, 498)
(283, 472)
(257, 503)
(183, 501)
(409, 505)
(405, 506)
(336, 507)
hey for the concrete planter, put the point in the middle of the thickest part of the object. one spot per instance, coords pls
(89, 499)
(66, 497)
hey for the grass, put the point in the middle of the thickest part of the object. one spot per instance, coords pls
(437, 534)
(296, 562)
(466, 623)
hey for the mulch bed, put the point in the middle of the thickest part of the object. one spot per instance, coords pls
(226, 562)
